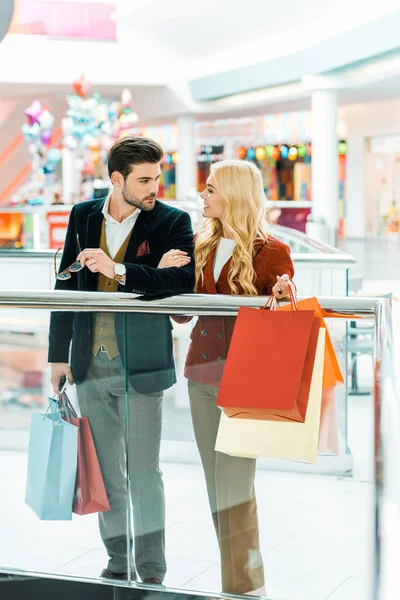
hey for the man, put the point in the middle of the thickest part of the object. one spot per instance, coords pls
(124, 238)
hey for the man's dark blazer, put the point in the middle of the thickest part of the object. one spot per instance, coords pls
(144, 340)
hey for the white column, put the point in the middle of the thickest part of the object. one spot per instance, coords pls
(355, 200)
(186, 176)
(325, 160)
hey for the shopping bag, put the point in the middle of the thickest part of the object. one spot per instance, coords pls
(52, 465)
(332, 373)
(269, 364)
(90, 492)
(328, 442)
(278, 439)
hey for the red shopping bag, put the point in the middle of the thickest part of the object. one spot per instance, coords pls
(269, 365)
(90, 493)
(332, 373)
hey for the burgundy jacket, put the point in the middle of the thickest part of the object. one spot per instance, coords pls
(211, 336)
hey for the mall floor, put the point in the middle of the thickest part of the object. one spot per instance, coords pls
(316, 530)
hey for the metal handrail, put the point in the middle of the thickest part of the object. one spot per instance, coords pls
(386, 397)
(194, 304)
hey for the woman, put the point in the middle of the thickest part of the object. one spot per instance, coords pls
(234, 255)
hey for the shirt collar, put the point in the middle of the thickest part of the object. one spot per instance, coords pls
(110, 219)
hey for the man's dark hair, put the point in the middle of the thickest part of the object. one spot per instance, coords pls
(130, 151)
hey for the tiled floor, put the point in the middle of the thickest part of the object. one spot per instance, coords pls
(316, 531)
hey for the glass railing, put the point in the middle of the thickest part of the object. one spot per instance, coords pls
(316, 525)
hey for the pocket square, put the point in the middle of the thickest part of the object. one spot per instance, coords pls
(143, 249)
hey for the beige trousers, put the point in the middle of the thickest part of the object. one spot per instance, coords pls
(231, 494)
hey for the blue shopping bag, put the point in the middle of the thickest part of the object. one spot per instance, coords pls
(52, 464)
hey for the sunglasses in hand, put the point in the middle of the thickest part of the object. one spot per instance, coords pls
(74, 268)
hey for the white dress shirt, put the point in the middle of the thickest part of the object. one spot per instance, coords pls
(116, 233)
(222, 255)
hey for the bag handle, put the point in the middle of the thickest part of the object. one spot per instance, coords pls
(67, 403)
(272, 302)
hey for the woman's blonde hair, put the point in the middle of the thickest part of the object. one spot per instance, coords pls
(239, 183)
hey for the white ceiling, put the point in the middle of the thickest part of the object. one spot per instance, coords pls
(195, 29)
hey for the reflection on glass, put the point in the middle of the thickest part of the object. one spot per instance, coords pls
(301, 510)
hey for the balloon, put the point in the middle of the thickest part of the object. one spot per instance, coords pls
(89, 105)
(67, 125)
(78, 131)
(126, 98)
(54, 156)
(301, 151)
(89, 169)
(107, 128)
(46, 137)
(33, 112)
(46, 120)
(241, 153)
(276, 154)
(102, 113)
(284, 151)
(26, 132)
(251, 154)
(81, 86)
(293, 153)
(127, 121)
(260, 153)
(70, 142)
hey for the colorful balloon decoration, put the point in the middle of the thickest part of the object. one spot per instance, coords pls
(37, 134)
(91, 126)
(293, 153)
(260, 153)
(81, 86)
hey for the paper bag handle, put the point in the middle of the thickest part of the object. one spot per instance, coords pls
(272, 302)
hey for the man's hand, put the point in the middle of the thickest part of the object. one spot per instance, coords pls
(58, 370)
(97, 261)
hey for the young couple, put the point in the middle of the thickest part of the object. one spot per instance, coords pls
(132, 242)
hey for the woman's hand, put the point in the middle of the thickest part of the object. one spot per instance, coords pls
(281, 288)
(174, 258)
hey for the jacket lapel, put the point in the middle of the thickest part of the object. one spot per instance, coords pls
(138, 235)
(222, 283)
(93, 232)
(209, 283)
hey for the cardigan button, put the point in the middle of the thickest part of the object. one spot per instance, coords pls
(220, 335)
(204, 332)
(220, 359)
(204, 356)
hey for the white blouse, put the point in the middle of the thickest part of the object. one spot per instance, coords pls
(222, 255)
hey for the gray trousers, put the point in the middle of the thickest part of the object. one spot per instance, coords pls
(102, 399)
